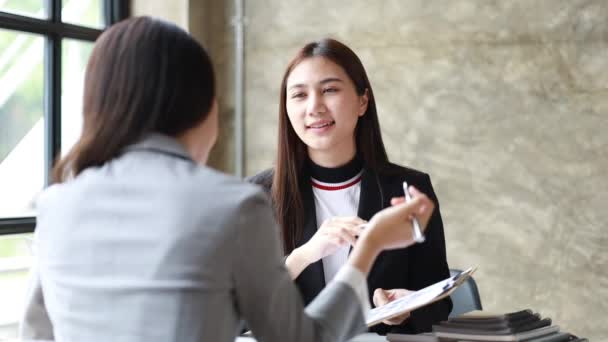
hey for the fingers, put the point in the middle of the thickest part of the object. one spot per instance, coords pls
(334, 233)
(422, 211)
(398, 293)
(380, 298)
(347, 228)
(412, 190)
(346, 235)
(336, 241)
(350, 221)
(397, 200)
(420, 206)
(353, 219)
(353, 228)
(338, 236)
(397, 320)
(416, 193)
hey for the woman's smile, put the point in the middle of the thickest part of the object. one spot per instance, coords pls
(321, 126)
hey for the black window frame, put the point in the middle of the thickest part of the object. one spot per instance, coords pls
(54, 31)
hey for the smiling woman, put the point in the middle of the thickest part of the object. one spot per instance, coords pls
(332, 174)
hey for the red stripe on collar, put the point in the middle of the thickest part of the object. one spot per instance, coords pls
(333, 188)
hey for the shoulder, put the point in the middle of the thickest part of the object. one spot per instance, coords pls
(400, 173)
(392, 176)
(226, 203)
(228, 188)
(263, 179)
(46, 199)
(245, 209)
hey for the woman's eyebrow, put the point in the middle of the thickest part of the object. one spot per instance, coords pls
(298, 85)
(330, 79)
(323, 81)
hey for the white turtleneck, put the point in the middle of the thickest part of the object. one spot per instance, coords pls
(331, 200)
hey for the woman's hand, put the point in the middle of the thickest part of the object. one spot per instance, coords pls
(382, 297)
(333, 234)
(391, 228)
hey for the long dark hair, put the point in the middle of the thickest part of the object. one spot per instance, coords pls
(292, 152)
(144, 75)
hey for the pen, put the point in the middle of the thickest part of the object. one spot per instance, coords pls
(418, 237)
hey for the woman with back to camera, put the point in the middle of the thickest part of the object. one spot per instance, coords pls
(332, 172)
(139, 241)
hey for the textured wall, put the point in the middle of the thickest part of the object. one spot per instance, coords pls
(504, 103)
(211, 23)
(175, 11)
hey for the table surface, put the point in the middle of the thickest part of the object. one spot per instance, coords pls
(367, 337)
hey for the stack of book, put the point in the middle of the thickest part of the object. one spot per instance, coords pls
(522, 325)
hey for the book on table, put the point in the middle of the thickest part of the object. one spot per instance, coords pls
(524, 325)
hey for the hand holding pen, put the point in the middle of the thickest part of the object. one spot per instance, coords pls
(417, 232)
(392, 227)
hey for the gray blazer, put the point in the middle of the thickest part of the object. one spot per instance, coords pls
(124, 252)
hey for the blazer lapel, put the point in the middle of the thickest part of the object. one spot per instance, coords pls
(370, 197)
(316, 275)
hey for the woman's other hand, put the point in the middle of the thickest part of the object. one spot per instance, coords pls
(382, 297)
(333, 234)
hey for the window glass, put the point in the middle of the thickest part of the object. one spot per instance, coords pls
(21, 122)
(75, 57)
(15, 261)
(83, 12)
(30, 8)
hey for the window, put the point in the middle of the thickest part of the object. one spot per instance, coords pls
(44, 48)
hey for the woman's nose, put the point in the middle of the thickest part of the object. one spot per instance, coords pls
(316, 105)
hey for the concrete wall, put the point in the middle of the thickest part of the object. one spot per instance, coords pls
(209, 21)
(503, 102)
(175, 10)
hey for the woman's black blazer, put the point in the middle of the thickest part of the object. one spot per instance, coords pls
(412, 268)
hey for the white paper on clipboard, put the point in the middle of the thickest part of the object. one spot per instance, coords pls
(418, 299)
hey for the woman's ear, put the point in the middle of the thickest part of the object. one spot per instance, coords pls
(363, 102)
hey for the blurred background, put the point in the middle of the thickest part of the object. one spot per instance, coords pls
(503, 102)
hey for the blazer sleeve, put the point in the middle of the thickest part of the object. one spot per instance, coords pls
(428, 265)
(35, 323)
(267, 297)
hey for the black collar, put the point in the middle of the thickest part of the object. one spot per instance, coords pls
(336, 174)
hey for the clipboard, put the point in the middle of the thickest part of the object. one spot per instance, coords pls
(418, 299)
